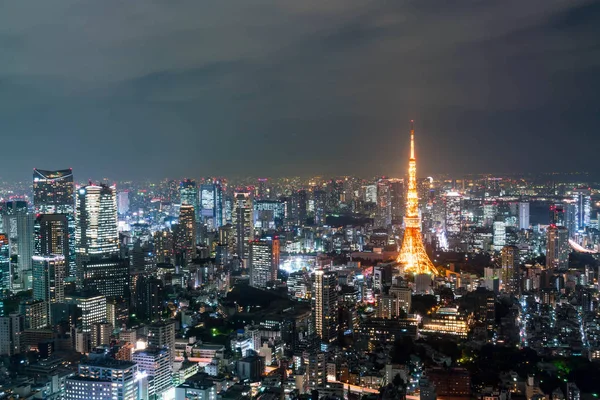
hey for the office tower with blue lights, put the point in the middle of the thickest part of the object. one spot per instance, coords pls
(583, 205)
(188, 193)
(263, 261)
(268, 214)
(5, 267)
(523, 215)
(18, 225)
(211, 205)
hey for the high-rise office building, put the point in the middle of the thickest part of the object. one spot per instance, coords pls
(383, 217)
(108, 276)
(156, 364)
(18, 225)
(185, 233)
(320, 206)
(53, 193)
(453, 213)
(523, 215)
(583, 204)
(499, 235)
(211, 205)
(123, 202)
(510, 261)
(263, 261)
(299, 207)
(243, 222)
(91, 308)
(149, 298)
(51, 235)
(397, 197)
(268, 214)
(557, 248)
(49, 273)
(35, 314)
(11, 327)
(96, 231)
(161, 335)
(5, 266)
(188, 193)
(104, 379)
(325, 305)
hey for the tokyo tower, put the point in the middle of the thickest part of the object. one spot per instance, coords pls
(412, 257)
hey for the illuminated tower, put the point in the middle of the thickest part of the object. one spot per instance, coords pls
(413, 257)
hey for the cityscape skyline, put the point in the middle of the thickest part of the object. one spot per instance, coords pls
(308, 96)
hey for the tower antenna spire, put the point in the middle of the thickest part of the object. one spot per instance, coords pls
(412, 139)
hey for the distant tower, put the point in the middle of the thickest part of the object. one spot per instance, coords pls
(523, 215)
(413, 257)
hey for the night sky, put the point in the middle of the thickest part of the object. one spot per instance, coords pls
(153, 89)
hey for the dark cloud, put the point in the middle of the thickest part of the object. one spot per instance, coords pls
(155, 89)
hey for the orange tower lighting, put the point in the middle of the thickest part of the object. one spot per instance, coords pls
(413, 257)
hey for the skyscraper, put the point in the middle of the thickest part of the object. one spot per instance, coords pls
(188, 192)
(413, 257)
(53, 193)
(384, 204)
(453, 213)
(263, 261)
(583, 205)
(557, 248)
(49, 274)
(96, 234)
(325, 305)
(243, 222)
(185, 233)
(523, 215)
(5, 267)
(96, 228)
(18, 225)
(51, 235)
(211, 205)
(499, 235)
(510, 268)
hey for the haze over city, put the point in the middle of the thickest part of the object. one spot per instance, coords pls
(131, 90)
